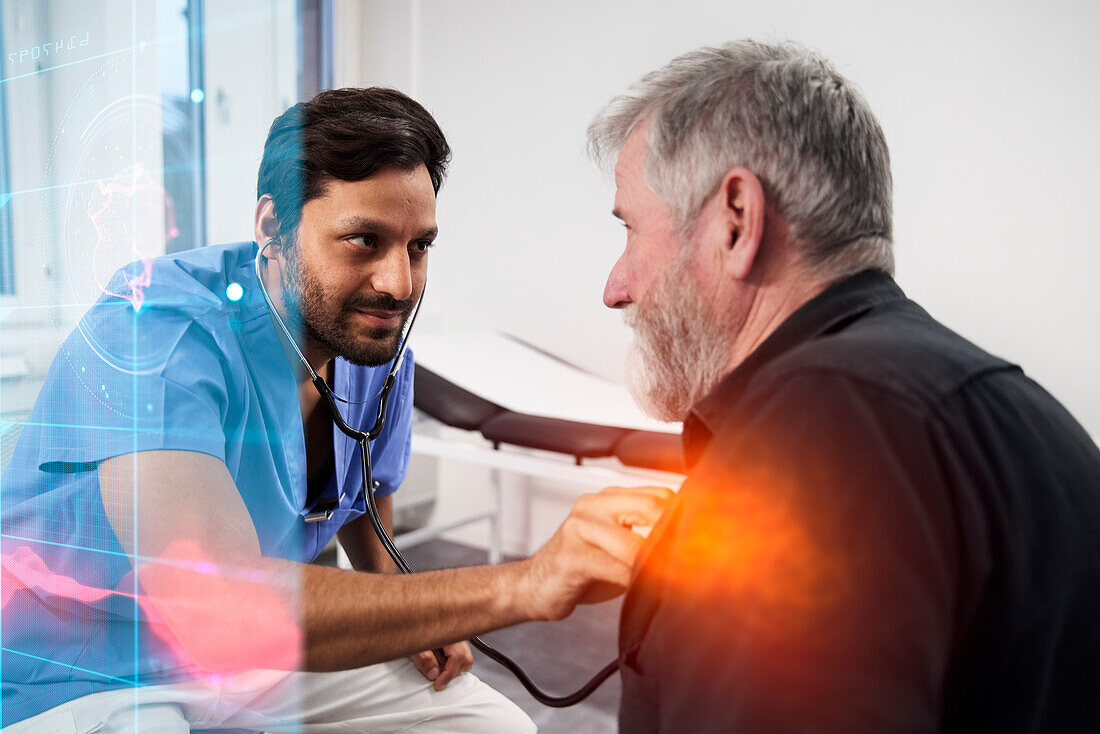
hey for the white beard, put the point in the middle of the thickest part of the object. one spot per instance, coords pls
(681, 348)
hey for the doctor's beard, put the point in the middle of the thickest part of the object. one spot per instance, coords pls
(680, 349)
(329, 323)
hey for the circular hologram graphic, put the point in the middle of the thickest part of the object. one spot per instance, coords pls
(118, 214)
(106, 215)
(234, 292)
(118, 218)
(197, 95)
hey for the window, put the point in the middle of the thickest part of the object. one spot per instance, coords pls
(127, 131)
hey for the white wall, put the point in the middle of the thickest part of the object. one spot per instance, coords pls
(990, 109)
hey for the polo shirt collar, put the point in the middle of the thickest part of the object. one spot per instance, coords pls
(840, 303)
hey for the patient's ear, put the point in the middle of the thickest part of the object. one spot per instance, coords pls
(266, 223)
(738, 206)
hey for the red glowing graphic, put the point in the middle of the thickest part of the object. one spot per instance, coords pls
(220, 621)
(24, 570)
(126, 214)
(214, 619)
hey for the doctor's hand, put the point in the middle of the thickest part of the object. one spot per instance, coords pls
(590, 557)
(459, 660)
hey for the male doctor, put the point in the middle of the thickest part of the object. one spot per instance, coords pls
(156, 543)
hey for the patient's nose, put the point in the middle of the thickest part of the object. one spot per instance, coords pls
(614, 293)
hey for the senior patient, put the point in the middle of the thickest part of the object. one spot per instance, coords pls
(884, 528)
(157, 510)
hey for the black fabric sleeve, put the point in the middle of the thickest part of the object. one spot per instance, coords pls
(810, 581)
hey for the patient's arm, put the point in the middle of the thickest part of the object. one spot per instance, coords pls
(200, 567)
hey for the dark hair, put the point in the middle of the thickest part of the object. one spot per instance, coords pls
(347, 134)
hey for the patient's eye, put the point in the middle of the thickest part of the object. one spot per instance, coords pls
(421, 247)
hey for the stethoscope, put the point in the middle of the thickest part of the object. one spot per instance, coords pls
(325, 507)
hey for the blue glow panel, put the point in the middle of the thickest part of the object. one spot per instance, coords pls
(102, 172)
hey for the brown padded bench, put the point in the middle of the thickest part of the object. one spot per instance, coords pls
(652, 450)
(460, 408)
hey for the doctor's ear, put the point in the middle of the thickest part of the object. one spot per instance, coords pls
(266, 223)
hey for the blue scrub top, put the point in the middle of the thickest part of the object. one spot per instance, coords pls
(166, 359)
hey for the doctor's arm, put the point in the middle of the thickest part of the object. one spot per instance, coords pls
(364, 549)
(197, 557)
(366, 553)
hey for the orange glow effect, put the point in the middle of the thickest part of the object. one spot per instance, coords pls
(215, 619)
(755, 542)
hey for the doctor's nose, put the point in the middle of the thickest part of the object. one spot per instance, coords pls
(393, 275)
(614, 292)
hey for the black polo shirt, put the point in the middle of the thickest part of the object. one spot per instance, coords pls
(884, 529)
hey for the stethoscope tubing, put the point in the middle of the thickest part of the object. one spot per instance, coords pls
(369, 486)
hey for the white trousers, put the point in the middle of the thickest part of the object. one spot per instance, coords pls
(386, 698)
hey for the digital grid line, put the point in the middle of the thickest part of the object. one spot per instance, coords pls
(228, 569)
(121, 303)
(5, 430)
(70, 546)
(133, 356)
(78, 426)
(71, 667)
(72, 184)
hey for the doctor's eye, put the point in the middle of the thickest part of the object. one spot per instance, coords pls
(421, 247)
(364, 240)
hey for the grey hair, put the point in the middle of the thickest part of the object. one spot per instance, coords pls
(783, 113)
